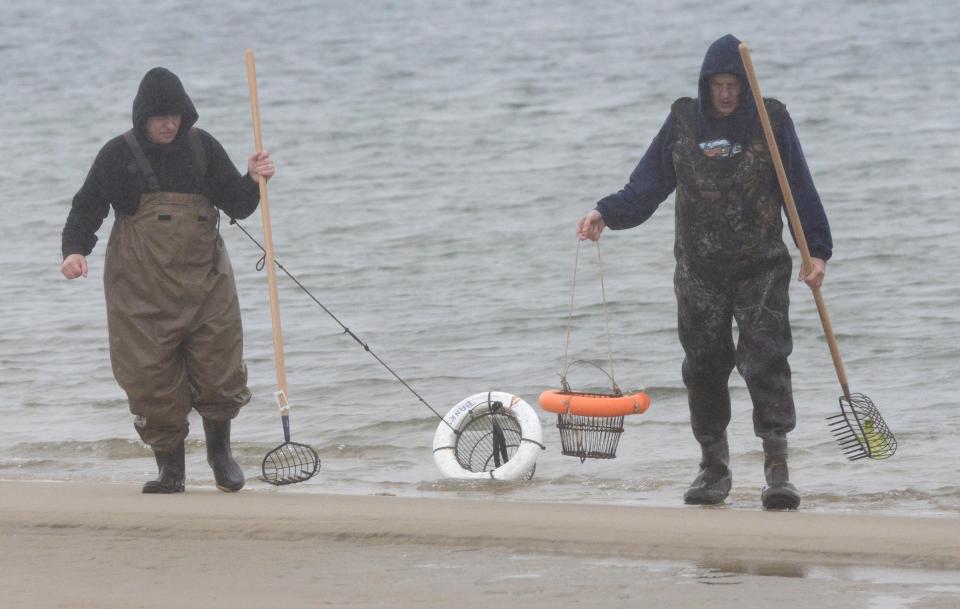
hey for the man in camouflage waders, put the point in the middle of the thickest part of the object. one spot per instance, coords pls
(732, 263)
(176, 342)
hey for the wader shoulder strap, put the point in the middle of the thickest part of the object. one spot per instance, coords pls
(775, 111)
(684, 115)
(153, 185)
(197, 150)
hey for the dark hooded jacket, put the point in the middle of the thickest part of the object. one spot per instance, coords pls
(114, 179)
(654, 178)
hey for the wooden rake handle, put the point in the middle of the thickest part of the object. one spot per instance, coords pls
(793, 216)
(268, 241)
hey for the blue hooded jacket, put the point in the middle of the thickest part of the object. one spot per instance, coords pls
(654, 177)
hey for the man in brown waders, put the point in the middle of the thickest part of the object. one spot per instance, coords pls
(176, 341)
(732, 263)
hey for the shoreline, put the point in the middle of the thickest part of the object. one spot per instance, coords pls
(682, 533)
(86, 535)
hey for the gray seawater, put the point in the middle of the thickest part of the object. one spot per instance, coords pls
(434, 157)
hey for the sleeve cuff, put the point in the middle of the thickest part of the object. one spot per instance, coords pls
(821, 254)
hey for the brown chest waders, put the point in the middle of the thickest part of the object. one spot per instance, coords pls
(732, 264)
(176, 340)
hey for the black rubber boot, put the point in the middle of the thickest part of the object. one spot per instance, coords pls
(712, 484)
(226, 471)
(779, 493)
(172, 471)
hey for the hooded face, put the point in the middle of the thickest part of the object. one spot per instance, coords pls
(724, 94)
(160, 99)
(162, 129)
(725, 106)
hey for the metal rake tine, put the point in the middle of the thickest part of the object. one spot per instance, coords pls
(850, 444)
(843, 433)
(854, 453)
(848, 440)
(839, 419)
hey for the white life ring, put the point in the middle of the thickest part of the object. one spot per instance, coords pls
(519, 467)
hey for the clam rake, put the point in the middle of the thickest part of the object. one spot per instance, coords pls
(290, 462)
(859, 429)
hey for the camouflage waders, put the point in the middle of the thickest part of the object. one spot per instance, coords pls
(732, 264)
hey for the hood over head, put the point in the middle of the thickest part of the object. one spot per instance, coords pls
(723, 57)
(162, 94)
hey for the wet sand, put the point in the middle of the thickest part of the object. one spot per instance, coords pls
(107, 546)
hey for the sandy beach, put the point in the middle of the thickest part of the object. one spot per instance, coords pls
(108, 546)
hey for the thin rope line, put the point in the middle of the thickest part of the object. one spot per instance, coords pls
(566, 350)
(606, 322)
(346, 330)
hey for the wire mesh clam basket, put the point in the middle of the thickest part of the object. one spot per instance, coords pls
(589, 437)
(488, 438)
(491, 435)
(590, 424)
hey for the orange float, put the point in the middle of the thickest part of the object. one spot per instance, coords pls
(594, 404)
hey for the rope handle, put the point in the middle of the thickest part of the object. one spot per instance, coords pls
(606, 324)
(565, 386)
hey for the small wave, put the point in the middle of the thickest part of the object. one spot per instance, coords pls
(396, 425)
(610, 484)
(496, 487)
(29, 464)
(943, 496)
(109, 449)
(367, 451)
(667, 392)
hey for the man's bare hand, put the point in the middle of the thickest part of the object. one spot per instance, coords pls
(260, 165)
(590, 226)
(814, 277)
(74, 265)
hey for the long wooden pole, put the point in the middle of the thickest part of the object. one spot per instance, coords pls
(793, 216)
(268, 239)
